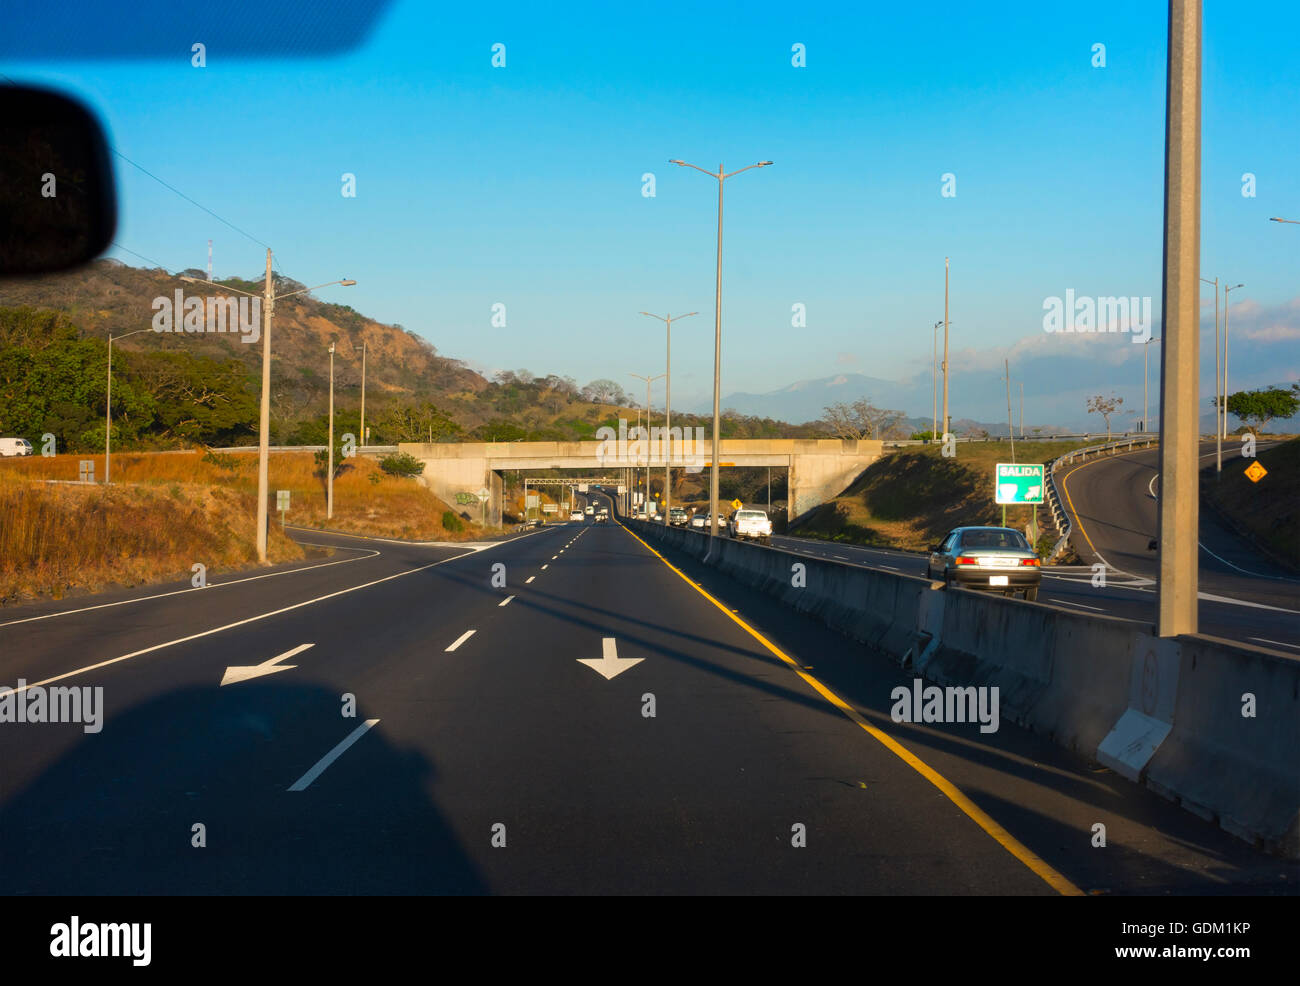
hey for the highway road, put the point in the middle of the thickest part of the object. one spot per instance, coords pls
(1243, 596)
(559, 712)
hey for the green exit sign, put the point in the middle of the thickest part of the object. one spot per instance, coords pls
(1018, 483)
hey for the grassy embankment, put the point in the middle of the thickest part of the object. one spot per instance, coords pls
(1267, 511)
(910, 498)
(166, 512)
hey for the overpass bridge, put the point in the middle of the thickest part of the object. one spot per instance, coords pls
(819, 468)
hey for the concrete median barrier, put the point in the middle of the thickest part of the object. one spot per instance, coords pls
(1210, 724)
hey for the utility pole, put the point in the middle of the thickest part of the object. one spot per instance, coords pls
(1022, 410)
(1176, 592)
(264, 418)
(329, 495)
(363, 440)
(264, 414)
(945, 346)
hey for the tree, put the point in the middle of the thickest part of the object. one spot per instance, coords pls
(1262, 406)
(417, 423)
(1105, 406)
(605, 392)
(860, 420)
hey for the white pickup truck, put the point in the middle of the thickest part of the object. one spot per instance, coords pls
(750, 524)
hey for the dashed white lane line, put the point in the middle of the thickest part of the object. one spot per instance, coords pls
(529, 579)
(553, 557)
(460, 640)
(505, 602)
(546, 566)
(304, 782)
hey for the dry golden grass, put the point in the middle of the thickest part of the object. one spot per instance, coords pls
(167, 511)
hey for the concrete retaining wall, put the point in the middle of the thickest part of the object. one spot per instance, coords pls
(1164, 713)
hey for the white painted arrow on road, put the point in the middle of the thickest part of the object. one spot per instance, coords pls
(610, 664)
(238, 674)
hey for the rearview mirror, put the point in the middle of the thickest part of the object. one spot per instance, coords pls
(58, 206)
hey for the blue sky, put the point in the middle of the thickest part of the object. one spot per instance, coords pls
(523, 185)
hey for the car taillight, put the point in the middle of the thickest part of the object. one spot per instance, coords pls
(966, 560)
(1029, 561)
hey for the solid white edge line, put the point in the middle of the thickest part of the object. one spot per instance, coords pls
(460, 640)
(303, 782)
(231, 626)
(212, 585)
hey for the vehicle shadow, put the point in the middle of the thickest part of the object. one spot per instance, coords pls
(115, 812)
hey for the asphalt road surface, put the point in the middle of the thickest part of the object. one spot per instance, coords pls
(585, 718)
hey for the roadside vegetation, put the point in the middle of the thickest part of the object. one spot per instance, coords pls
(165, 512)
(1267, 511)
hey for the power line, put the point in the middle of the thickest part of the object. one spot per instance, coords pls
(173, 188)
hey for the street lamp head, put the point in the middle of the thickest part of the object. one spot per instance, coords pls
(1234, 287)
(680, 164)
(331, 349)
(346, 283)
(764, 164)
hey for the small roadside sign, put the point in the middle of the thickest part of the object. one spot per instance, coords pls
(736, 504)
(483, 493)
(1018, 483)
(282, 504)
(1255, 472)
(550, 508)
(622, 490)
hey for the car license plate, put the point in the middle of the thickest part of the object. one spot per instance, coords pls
(997, 580)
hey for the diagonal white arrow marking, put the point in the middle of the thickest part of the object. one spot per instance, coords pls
(237, 674)
(609, 665)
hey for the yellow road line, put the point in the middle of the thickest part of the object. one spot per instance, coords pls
(1066, 490)
(954, 794)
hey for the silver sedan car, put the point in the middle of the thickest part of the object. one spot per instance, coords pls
(993, 559)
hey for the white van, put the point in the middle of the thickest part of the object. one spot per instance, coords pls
(15, 446)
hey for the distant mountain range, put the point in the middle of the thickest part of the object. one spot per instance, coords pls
(975, 398)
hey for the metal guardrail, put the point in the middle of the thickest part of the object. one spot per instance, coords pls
(1060, 516)
(361, 449)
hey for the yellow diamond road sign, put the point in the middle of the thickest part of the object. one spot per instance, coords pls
(1256, 472)
(736, 504)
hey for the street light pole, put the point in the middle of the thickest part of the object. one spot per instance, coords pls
(329, 495)
(945, 346)
(1218, 402)
(717, 339)
(1146, 425)
(1226, 289)
(264, 418)
(362, 436)
(934, 379)
(668, 408)
(648, 381)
